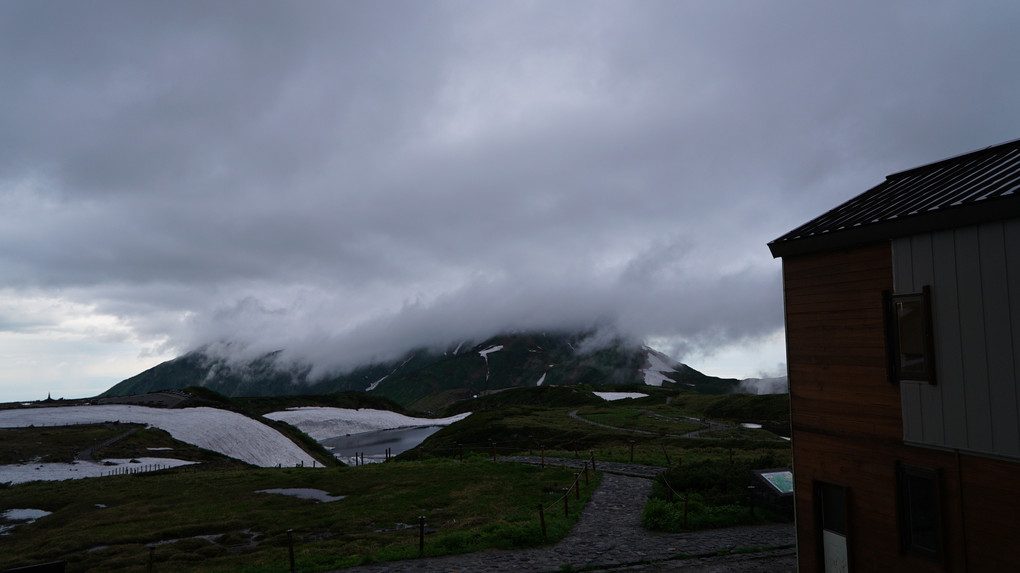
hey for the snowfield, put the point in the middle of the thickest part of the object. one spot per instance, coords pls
(618, 395)
(21, 473)
(324, 423)
(656, 368)
(218, 430)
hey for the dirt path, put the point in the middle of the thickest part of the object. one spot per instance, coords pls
(609, 537)
(712, 426)
(86, 454)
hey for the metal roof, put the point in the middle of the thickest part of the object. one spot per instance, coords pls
(967, 189)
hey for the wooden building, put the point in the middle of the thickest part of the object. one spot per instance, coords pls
(903, 348)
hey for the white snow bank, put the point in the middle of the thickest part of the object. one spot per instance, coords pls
(324, 423)
(218, 430)
(485, 353)
(618, 395)
(656, 367)
(21, 473)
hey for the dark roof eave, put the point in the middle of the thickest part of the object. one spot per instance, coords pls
(981, 212)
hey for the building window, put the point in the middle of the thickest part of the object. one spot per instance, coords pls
(831, 515)
(919, 510)
(912, 347)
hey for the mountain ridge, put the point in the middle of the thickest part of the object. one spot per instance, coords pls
(426, 379)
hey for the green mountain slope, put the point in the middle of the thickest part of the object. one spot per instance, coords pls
(432, 379)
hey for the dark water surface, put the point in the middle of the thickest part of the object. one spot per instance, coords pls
(373, 444)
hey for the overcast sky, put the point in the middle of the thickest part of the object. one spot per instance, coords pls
(347, 180)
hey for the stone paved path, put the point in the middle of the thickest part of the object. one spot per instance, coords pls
(609, 537)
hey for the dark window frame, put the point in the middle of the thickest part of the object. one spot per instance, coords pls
(910, 539)
(896, 372)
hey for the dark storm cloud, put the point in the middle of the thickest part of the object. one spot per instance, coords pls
(352, 179)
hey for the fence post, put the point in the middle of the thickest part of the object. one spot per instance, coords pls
(290, 549)
(421, 535)
(666, 454)
(543, 456)
(586, 473)
(577, 485)
(687, 494)
(632, 451)
(592, 452)
(492, 446)
(566, 498)
(541, 517)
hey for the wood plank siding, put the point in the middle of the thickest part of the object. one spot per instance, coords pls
(849, 420)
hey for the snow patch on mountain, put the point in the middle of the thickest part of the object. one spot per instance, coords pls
(656, 367)
(218, 430)
(610, 396)
(323, 423)
(485, 354)
(375, 384)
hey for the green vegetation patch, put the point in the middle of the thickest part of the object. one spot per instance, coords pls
(214, 520)
(709, 493)
(55, 444)
(640, 419)
(737, 407)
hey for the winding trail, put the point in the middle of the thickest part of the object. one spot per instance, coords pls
(609, 537)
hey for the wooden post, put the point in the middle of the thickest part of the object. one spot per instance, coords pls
(541, 518)
(666, 454)
(585, 473)
(592, 452)
(686, 495)
(543, 456)
(421, 535)
(632, 451)
(577, 485)
(492, 446)
(566, 498)
(290, 547)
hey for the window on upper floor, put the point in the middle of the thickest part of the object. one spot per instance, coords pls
(911, 345)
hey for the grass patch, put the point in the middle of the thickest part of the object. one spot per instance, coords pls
(214, 521)
(641, 420)
(714, 492)
(55, 444)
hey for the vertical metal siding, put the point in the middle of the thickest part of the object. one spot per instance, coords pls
(972, 333)
(1011, 240)
(998, 340)
(948, 340)
(975, 278)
